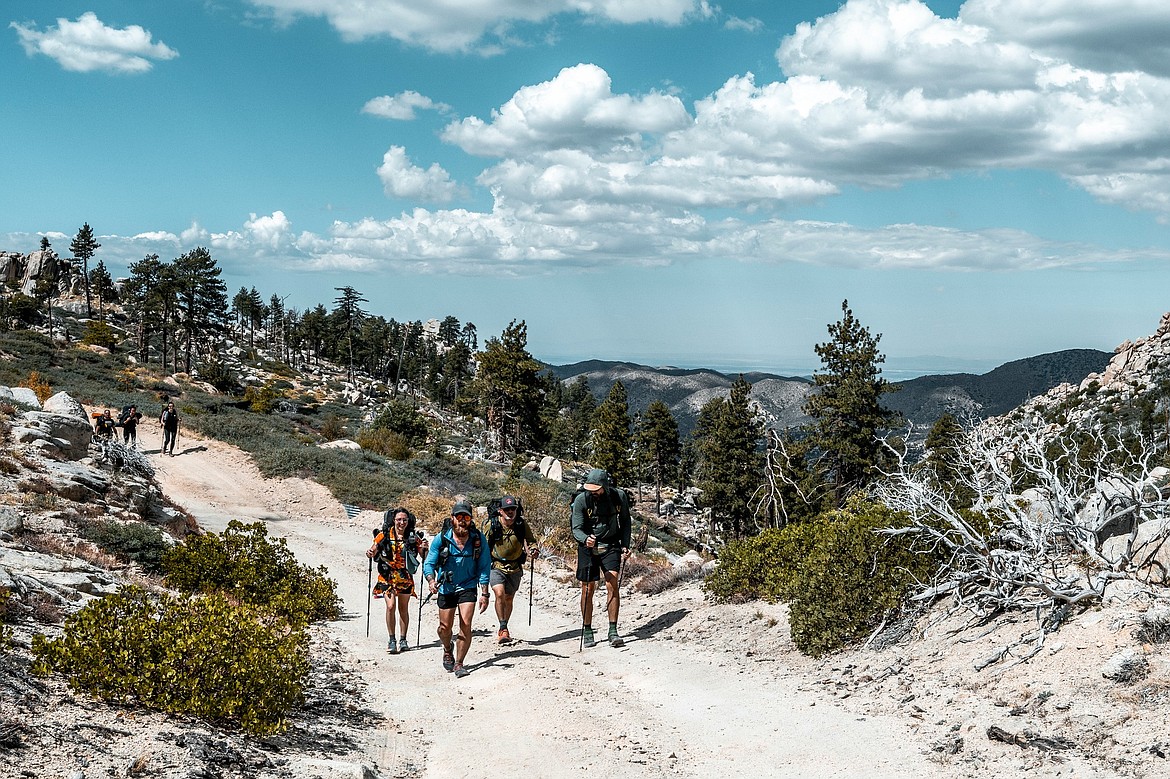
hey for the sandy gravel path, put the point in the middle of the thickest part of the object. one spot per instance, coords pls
(541, 708)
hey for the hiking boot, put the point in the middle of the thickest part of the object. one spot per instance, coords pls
(588, 639)
(392, 647)
(460, 671)
(402, 645)
(504, 637)
(616, 641)
(448, 662)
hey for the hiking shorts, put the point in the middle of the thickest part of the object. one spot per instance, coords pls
(511, 581)
(449, 600)
(590, 566)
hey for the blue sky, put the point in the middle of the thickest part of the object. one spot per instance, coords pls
(666, 181)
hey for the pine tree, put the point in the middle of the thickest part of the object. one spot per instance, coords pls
(657, 446)
(507, 389)
(730, 467)
(611, 435)
(846, 406)
(103, 287)
(202, 301)
(350, 315)
(83, 247)
(943, 445)
(574, 420)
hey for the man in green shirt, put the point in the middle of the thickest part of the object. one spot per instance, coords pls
(601, 526)
(511, 541)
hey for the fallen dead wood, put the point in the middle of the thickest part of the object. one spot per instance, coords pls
(1026, 739)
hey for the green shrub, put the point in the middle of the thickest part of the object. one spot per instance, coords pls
(263, 399)
(136, 541)
(99, 334)
(5, 595)
(402, 417)
(245, 564)
(205, 657)
(839, 576)
(385, 442)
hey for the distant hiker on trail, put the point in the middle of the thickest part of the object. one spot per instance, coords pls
(601, 524)
(396, 550)
(129, 419)
(510, 542)
(456, 566)
(104, 425)
(170, 425)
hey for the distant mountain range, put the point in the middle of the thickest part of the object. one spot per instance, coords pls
(781, 398)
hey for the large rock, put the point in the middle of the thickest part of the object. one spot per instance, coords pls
(69, 434)
(25, 397)
(340, 443)
(64, 404)
(551, 468)
(1151, 551)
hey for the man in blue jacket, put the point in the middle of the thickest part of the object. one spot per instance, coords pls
(457, 565)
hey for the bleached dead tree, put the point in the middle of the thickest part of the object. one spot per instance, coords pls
(782, 493)
(1044, 506)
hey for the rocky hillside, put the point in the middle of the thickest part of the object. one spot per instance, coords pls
(781, 398)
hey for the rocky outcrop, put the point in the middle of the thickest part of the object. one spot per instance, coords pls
(54, 434)
(25, 270)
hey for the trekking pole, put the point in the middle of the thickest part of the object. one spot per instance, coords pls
(418, 627)
(531, 573)
(369, 583)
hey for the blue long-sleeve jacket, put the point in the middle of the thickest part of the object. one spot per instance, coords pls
(462, 571)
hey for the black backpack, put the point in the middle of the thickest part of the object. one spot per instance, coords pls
(411, 552)
(617, 495)
(445, 542)
(496, 529)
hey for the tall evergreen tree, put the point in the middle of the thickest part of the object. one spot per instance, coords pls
(507, 389)
(103, 286)
(846, 405)
(571, 430)
(730, 467)
(350, 315)
(944, 443)
(144, 302)
(202, 301)
(657, 446)
(611, 435)
(83, 247)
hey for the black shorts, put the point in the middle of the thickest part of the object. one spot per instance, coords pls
(449, 600)
(590, 566)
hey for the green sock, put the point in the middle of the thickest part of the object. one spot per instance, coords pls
(613, 628)
(503, 624)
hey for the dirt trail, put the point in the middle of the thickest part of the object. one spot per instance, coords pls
(540, 707)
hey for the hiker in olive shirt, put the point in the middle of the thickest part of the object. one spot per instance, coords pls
(601, 525)
(510, 541)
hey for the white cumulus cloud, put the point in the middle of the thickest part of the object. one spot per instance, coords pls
(576, 109)
(401, 178)
(402, 106)
(462, 25)
(88, 45)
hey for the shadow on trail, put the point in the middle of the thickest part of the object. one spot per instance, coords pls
(506, 659)
(562, 636)
(659, 623)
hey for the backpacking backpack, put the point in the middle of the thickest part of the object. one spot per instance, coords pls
(617, 496)
(496, 529)
(445, 542)
(124, 414)
(410, 553)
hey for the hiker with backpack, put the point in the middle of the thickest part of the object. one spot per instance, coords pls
(103, 426)
(456, 567)
(170, 425)
(129, 420)
(510, 542)
(601, 525)
(396, 550)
